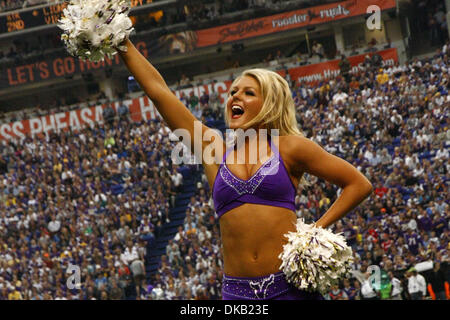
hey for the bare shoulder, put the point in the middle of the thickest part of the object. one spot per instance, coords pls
(304, 155)
(291, 149)
(297, 148)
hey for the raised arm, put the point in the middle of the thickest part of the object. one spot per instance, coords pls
(169, 106)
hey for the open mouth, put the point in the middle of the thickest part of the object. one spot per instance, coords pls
(236, 112)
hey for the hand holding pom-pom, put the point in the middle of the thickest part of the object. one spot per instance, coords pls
(314, 258)
(94, 29)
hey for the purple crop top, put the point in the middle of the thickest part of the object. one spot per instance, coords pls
(270, 185)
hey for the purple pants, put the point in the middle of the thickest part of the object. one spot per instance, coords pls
(271, 287)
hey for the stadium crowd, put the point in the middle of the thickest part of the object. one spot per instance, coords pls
(96, 199)
(92, 201)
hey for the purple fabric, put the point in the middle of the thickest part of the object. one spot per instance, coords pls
(270, 185)
(271, 287)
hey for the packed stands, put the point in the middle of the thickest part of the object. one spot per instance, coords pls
(97, 199)
(108, 202)
(102, 191)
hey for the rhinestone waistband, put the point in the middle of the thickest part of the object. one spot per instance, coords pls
(259, 288)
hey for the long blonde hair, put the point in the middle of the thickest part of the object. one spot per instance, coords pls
(278, 109)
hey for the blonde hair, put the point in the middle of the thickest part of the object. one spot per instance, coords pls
(278, 109)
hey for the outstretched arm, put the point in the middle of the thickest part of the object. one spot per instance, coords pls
(169, 106)
(314, 160)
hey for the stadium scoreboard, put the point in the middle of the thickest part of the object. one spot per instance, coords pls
(49, 15)
(20, 20)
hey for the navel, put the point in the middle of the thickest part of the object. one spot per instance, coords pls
(255, 256)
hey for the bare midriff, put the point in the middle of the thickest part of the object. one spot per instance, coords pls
(253, 238)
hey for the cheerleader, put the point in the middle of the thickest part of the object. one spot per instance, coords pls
(255, 202)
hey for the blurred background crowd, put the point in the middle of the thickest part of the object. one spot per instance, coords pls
(107, 190)
(97, 201)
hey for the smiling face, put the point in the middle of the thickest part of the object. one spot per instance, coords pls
(244, 102)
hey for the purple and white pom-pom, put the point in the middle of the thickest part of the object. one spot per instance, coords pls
(314, 259)
(94, 29)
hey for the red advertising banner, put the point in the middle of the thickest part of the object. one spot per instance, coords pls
(58, 67)
(143, 109)
(330, 69)
(288, 20)
(187, 41)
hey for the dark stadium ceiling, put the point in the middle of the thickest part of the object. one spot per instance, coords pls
(169, 63)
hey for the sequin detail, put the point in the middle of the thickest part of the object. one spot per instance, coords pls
(260, 287)
(271, 185)
(249, 186)
(255, 288)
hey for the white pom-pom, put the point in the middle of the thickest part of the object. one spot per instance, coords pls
(94, 29)
(314, 259)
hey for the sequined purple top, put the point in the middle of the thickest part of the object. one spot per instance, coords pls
(270, 185)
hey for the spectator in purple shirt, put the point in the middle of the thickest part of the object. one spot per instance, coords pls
(439, 224)
(350, 291)
(412, 241)
(424, 221)
(350, 234)
(204, 99)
